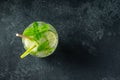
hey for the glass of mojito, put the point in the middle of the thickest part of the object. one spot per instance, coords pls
(40, 39)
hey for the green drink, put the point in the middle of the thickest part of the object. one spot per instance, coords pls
(40, 39)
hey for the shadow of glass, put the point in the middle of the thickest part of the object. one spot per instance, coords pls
(74, 55)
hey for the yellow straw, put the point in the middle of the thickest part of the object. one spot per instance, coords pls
(27, 52)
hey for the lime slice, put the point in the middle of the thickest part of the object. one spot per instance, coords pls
(52, 38)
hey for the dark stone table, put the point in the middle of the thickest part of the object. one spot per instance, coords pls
(89, 39)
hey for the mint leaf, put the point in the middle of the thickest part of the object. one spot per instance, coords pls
(44, 27)
(29, 31)
(35, 26)
(36, 31)
(43, 46)
(49, 50)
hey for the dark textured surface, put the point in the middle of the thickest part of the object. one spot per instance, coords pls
(89, 33)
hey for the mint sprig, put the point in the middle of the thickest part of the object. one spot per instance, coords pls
(36, 30)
